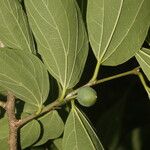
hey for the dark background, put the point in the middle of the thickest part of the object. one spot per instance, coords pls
(121, 116)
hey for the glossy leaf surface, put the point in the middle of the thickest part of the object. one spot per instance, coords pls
(14, 28)
(61, 37)
(117, 28)
(79, 134)
(24, 75)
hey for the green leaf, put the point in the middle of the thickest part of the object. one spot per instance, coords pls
(29, 108)
(61, 38)
(1, 44)
(30, 133)
(79, 134)
(24, 75)
(52, 126)
(4, 144)
(148, 37)
(2, 91)
(14, 28)
(143, 57)
(4, 131)
(117, 28)
(58, 143)
(83, 5)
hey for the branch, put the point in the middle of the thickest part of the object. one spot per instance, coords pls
(46, 109)
(72, 95)
(13, 127)
(134, 71)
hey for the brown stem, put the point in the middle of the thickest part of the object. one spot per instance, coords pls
(13, 122)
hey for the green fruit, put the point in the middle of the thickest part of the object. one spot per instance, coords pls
(86, 96)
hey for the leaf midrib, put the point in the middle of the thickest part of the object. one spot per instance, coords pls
(19, 26)
(32, 76)
(63, 45)
(113, 31)
(49, 47)
(125, 34)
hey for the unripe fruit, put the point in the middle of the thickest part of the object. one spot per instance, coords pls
(86, 96)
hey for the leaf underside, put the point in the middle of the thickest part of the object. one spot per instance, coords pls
(61, 38)
(52, 125)
(143, 58)
(14, 28)
(117, 28)
(148, 37)
(30, 133)
(78, 134)
(24, 75)
(4, 131)
(58, 143)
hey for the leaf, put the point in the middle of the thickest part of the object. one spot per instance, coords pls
(4, 131)
(61, 38)
(79, 134)
(117, 28)
(52, 126)
(24, 75)
(148, 37)
(2, 91)
(143, 57)
(29, 108)
(83, 5)
(1, 44)
(30, 133)
(58, 143)
(14, 28)
(4, 144)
